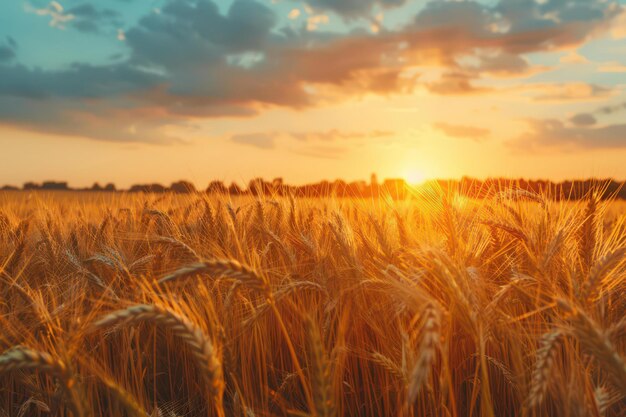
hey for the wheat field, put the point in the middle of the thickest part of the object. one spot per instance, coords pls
(196, 305)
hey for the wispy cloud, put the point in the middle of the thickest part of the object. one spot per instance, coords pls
(331, 144)
(464, 132)
(335, 135)
(556, 135)
(258, 140)
(55, 11)
(577, 91)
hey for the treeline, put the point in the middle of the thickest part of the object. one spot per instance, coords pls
(394, 188)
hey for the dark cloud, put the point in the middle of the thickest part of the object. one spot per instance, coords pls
(81, 81)
(353, 8)
(258, 140)
(6, 53)
(463, 132)
(12, 42)
(590, 119)
(554, 134)
(583, 119)
(193, 61)
(88, 18)
(612, 109)
(119, 120)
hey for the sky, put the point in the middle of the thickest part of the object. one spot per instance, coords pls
(136, 91)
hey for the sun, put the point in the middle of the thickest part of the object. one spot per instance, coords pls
(414, 176)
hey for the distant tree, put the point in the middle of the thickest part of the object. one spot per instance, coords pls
(183, 187)
(54, 185)
(258, 187)
(217, 187)
(9, 188)
(234, 189)
(109, 187)
(31, 186)
(147, 188)
(339, 188)
(96, 187)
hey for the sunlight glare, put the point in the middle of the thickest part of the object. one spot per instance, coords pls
(414, 176)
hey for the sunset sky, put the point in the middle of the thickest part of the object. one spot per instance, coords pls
(134, 91)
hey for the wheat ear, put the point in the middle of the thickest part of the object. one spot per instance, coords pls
(430, 330)
(542, 370)
(22, 358)
(199, 344)
(224, 267)
(595, 341)
(320, 372)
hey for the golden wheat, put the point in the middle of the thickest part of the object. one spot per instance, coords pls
(433, 305)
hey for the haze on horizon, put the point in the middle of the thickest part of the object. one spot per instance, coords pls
(132, 91)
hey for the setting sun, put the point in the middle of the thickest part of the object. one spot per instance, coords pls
(414, 176)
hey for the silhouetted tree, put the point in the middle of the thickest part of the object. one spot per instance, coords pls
(234, 189)
(54, 185)
(31, 186)
(183, 187)
(217, 187)
(147, 188)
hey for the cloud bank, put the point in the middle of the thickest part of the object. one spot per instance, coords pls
(191, 61)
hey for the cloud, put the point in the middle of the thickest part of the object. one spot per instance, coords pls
(80, 81)
(455, 83)
(353, 8)
(554, 134)
(320, 144)
(6, 53)
(84, 17)
(590, 119)
(193, 61)
(118, 121)
(88, 18)
(258, 140)
(463, 132)
(314, 22)
(335, 135)
(324, 152)
(616, 67)
(571, 92)
(610, 109)
(583, 119)
(58, 17)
